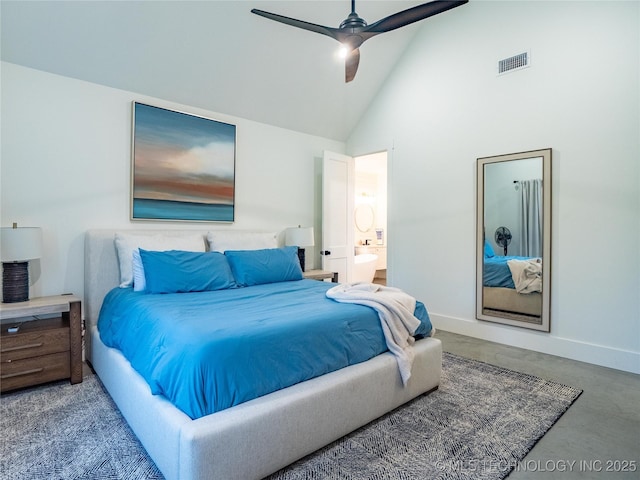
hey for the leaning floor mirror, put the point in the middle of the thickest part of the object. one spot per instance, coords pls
(513, 241)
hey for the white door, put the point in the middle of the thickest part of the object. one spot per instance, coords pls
(337, 214)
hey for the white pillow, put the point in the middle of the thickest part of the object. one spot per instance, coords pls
(139, 280)
(222, 241)
(126, 243)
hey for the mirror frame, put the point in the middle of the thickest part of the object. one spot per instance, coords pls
(545, 154)
(368, 210)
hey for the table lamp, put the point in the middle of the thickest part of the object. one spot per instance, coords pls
(17, 247)
(300, 237)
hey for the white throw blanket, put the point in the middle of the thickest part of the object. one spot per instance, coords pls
(395, 309)
(526, 274)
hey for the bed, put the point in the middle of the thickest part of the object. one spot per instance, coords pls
(504, 295)
(253, 438)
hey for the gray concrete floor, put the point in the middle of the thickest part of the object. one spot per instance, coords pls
(598, 437)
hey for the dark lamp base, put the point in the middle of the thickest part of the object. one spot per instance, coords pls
(301, 257)
(15, 282)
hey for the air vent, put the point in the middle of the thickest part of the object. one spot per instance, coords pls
(517, 62)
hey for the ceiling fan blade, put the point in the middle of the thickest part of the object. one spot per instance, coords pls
(312, 27)
(412, 15)
(351, 64)
(353, 32)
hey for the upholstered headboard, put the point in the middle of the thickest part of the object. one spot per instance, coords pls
(102, 272)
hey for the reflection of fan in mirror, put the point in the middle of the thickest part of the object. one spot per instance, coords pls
(503, 238)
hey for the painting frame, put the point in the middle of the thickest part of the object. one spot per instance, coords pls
(182, 166)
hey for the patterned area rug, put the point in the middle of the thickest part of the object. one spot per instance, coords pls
(480, 422)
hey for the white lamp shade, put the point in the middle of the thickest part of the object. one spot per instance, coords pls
(300, 237)
(20, 244)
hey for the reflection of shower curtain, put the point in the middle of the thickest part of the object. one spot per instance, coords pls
(531, 218)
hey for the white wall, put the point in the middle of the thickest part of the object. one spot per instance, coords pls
(444, 107)
(66, 160)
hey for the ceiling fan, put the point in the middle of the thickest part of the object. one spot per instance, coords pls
(353, 31)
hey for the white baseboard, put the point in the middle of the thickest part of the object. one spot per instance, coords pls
(602, 355)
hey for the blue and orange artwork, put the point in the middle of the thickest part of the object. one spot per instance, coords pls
(183, 166)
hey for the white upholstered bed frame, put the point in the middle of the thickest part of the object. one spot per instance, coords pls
(508, 300)
(259, 437)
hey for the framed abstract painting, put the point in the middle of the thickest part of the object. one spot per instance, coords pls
(183, 166)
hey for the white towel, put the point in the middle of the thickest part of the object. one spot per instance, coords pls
(526, 274)
(395, 309)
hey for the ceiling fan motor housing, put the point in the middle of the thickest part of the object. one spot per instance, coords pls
(353, 21)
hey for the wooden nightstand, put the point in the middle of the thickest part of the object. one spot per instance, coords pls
(321, 275)
(42, 350)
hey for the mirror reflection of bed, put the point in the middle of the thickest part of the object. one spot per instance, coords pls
(501, 298)
(513, 239)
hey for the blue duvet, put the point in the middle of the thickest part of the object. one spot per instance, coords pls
(208, 351)
(496, 272)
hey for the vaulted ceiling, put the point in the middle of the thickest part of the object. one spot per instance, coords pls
(214, 55)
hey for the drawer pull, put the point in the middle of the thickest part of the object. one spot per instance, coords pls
(26, 372)
(22, 347)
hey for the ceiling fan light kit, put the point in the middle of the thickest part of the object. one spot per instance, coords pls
(354, 31)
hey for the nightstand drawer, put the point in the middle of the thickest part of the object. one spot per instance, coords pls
(31, 371)
(32, 344)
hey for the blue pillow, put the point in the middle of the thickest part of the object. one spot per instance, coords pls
(488, 250)
(178, 271)
(269, 265)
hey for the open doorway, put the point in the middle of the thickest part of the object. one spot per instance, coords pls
(370, 211)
